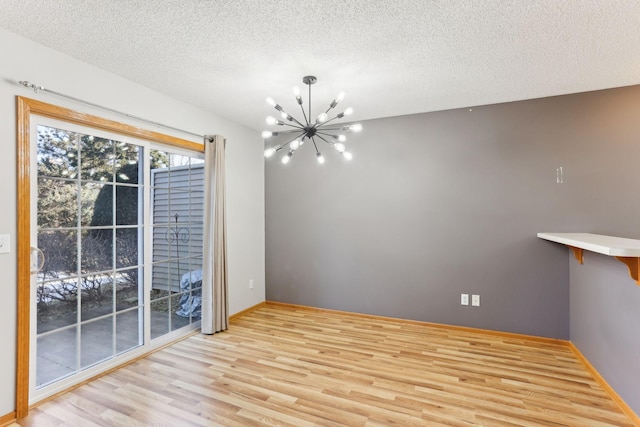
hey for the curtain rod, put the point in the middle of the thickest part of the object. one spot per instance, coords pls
(37, 88)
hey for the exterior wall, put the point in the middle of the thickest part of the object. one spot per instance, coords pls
(189, 206)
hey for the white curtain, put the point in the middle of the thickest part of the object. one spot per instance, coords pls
(215, 299)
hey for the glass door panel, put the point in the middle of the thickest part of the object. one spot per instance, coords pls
(90, 230)
(59, 359)
(177, 204)
(96, 338)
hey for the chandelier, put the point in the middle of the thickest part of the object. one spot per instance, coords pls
(315, 130)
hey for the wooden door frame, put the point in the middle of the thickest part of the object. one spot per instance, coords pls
(25, 108)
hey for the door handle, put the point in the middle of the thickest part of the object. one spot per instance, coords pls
(39, 257)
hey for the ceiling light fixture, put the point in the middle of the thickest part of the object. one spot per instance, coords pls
(310, 128)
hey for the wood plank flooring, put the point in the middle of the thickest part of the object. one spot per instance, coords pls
(283, 366)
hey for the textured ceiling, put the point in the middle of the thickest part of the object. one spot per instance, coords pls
(390, 57)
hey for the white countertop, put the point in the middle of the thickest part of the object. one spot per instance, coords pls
(607, 245)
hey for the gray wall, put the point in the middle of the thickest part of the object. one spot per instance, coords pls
(442, 203)
(605, 315)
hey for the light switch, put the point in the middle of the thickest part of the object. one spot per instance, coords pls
(5, 243)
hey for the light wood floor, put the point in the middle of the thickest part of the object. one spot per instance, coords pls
(282, 366)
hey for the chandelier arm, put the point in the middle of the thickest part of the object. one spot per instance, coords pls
(288, 131)
(304, 114)
(290, 125)
(281, 146)
(313, 139)
(330, 120)
(289, 116)
(301, 134)
(346, 154)
(328, 142)
(295, 120)
(344, 128)
(332, 106)
(318, 132)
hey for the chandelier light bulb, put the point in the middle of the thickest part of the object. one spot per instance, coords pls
(322, 118)
(339, 147)
(346, 112)
(296, 92)
(270, 101)
(285, 116)
(294, 144)
(267, 134)
(347, 155)
(355, 127)
(285, 159)
(269, 152)
(271, 120)
(342, 138)
(320, 158)
(336, 101)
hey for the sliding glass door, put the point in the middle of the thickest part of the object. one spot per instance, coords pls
(118, 224)
(177, 208)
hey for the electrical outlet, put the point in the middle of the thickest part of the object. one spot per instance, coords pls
(5, 243)
(464, 299)
(475, 300)
(251, 284)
